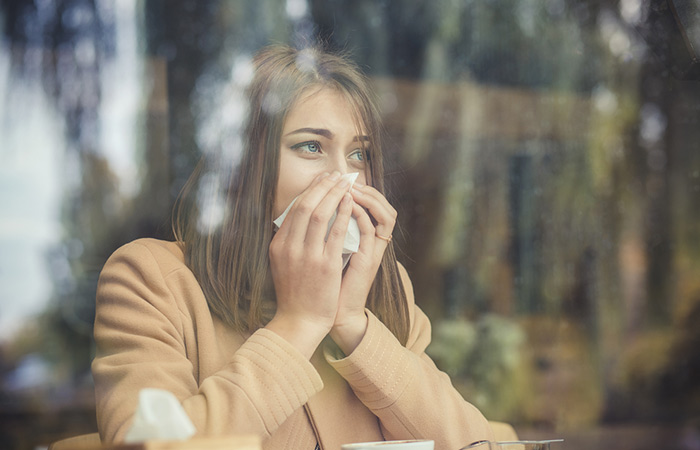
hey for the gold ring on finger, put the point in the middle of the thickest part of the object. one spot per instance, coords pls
(384, 238)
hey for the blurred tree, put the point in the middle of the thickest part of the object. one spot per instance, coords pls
(545, 166)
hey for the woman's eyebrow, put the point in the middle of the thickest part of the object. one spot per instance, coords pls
(328, 134)
(319, 131)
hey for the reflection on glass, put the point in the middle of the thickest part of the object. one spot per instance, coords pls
(542, 155)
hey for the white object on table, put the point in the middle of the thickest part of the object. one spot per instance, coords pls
(159, 415)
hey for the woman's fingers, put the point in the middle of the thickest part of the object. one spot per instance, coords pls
(336, 235)
(323, 213)
(287, 225)
(305, 206)
(306, 224)
(367, 230)
(379, 208)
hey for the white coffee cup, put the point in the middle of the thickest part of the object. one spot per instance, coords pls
(420, 444)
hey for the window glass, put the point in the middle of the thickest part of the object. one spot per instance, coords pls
(543, 156)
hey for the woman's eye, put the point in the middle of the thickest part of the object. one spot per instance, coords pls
(308, 147)
(357, 155)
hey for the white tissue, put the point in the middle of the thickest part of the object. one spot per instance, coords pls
(352, 237)
(159, 415)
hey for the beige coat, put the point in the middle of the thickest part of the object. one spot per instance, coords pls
(153, 329)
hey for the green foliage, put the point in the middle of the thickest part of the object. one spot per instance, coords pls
(482, 358)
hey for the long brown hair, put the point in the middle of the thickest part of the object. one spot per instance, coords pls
(229, 257)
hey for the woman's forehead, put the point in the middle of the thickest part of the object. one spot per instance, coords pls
(319, 96)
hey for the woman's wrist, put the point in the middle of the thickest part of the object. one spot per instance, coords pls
(348, 334)
(303, 334)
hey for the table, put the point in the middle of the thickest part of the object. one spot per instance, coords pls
(243, 442)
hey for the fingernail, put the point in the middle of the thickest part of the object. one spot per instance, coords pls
(335, 175)
(344, 183)
(355, 191)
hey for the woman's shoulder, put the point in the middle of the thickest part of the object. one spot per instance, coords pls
(167, 255)
(152, 270)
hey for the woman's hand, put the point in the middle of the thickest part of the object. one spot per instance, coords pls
(351, 322)
(307, 268)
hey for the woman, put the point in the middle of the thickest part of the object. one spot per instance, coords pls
(263, 331)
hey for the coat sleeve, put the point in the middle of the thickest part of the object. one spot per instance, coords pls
(140, 332)
(405, 390)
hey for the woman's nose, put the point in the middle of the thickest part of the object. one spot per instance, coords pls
(339, 164)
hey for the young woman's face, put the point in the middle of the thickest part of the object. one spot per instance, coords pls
(319, 135)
